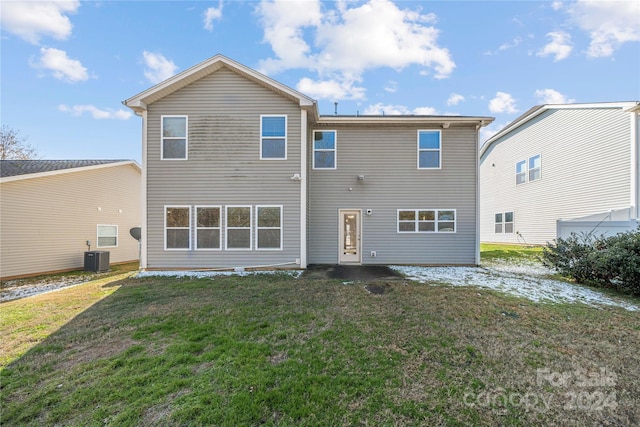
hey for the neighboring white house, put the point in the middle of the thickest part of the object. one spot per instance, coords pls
(50, 209)
(559, 169)
(241, 171)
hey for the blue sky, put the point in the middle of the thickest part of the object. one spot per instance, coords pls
(67, 66)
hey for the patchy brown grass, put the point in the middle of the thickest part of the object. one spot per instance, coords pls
(283, 351)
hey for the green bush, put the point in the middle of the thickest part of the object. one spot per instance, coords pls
(612, 262)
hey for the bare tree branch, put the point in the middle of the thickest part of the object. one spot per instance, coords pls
(15, 147)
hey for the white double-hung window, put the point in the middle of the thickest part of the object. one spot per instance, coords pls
(429, 149)
(174, 138)
(207, 227)
(177, 226)
(107, 236)
(273, 137)
(238, 227)
(324, 149)
(269, 227)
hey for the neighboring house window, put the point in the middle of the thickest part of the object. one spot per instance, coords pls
(207, 227)
(174, 138)
(107, 236)
(324, 149)
(177, 227)
(426, 221)
(269, 227)
(521, 172)
(273, 137)
(508, 222)
(504, 222)
(429, 149)
(238, 227)
(499, 223)
(534, 168)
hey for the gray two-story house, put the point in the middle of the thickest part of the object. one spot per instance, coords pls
(240, 171)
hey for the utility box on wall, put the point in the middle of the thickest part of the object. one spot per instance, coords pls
(96, 261)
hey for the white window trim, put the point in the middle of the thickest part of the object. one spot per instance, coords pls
(186, 137)
(439, 150)
(496, 223)
(335, 150)
(257, 228)
(176, 228)
(98, 236)
(525, 172)
(505, 222)
(416, 229)
(227, 228)
(262, 138)
(538, 168)
(528, 170)
(195, 226)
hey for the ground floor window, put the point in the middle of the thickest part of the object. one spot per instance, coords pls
(426, 220)
(177, 227)
(107, 236)
(238, 229)
(503, 222)
(269, 227)
(208, 227)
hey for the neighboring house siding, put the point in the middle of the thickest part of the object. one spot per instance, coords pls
(387, 157)
(585, 170)
(223, 168)
(46, 221)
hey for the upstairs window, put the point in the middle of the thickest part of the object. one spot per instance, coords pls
(521, 172)
(528, 170)
(174, 138)
(324, 149)
(534, 168)
(429, 149)
(177, 225)
(107, 236)
(273, 137)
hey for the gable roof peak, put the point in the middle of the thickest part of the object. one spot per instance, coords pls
(139, 102)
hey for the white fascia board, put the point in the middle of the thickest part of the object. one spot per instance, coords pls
(70, 170)
(438, 120)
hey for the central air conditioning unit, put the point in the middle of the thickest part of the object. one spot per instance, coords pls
(96, 261)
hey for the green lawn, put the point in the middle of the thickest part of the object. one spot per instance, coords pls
(276, 350)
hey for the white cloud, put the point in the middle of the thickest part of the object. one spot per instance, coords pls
(212, 14)
(62, 67)
(158, 68)
(551, 96)
(557, 5)
(31, 20)
(96, 113)
(559, 46)
(503, 103)
(455, 99)
(609, 23)
(514, 43)
(398, 110)
(391, 87)
(342, 44)
(331, 89)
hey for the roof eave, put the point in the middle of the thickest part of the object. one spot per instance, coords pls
(132, 163)
(444, 121)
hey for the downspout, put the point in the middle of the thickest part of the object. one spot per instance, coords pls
(303, 188)
(635, 165)
(477, 143)
(144, 240)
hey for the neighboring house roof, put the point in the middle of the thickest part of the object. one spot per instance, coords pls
(539, 109)
(11, 170)
(139, 102)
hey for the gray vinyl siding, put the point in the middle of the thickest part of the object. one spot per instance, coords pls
(585, 170)
(223, 167)
(387, 157)
(45, 222)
